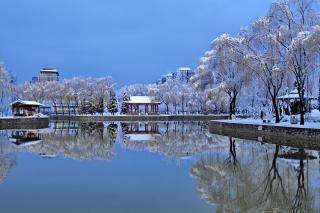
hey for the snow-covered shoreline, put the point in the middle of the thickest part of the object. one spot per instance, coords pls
(259, 122)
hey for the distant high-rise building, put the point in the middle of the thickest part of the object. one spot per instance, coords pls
(181, 75)
(184, 74)
(47, 74)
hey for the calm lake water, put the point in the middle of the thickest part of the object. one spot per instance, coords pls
(152, 167)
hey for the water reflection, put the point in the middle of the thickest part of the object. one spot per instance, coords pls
(85, 141)
(234, 175)
(255, 179)
(173, 140)
(25, 137)
(7, 160)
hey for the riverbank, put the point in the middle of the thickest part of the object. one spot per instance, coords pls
(24, 122)
(307, 137)
(115, 118)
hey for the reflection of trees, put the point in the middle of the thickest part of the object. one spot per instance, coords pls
(91, 142)
(6, 159)
(263, 183)
(6, 162)
(175, 140)
(301, 194)
(232, 159)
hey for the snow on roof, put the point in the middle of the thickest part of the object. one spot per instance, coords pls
(184, 69)
(48, 70)
(31, 103)
(294, 95)
(141, 100)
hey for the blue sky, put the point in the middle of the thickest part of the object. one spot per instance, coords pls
(132, 41)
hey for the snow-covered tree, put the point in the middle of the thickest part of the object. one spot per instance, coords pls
(298, 33)
(92, 94)
(229, 68)
(165, 93)
(204, 77)
(113, 104)
(264, 58)
(124, 106)
(5, 89)
(136, 90)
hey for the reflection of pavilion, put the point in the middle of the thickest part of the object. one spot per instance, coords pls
(25, 137)
(141, 131)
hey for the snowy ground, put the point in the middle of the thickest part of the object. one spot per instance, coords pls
(312, 121)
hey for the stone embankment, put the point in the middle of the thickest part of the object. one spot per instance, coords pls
(308, 138)
(24, 122)
(114, 118)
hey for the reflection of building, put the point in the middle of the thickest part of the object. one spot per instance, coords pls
(149, 105)
(47, 74)
(25, 137)
(25, 108)
(80, 141)
(66, 127)
(139, 132)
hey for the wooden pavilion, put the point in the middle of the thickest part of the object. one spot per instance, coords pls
(149, 104)
(25, 108)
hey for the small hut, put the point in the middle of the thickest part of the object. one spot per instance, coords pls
(25, 108)
(291, 102)
(148, 103)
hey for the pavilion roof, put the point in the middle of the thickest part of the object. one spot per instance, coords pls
(293, 95)
(28, 103)
(142, 100)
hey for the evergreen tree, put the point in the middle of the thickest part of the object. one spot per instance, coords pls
(113, 104)
(100, 106)
(124, 106)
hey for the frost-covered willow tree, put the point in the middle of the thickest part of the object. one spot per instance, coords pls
(75, 91)
(136, 89)
(230, 71)
(284, 44)
(264, 57)
(203, 82)
(7, 90)
(298, 33)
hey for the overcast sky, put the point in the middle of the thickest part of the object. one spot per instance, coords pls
(134, 41)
